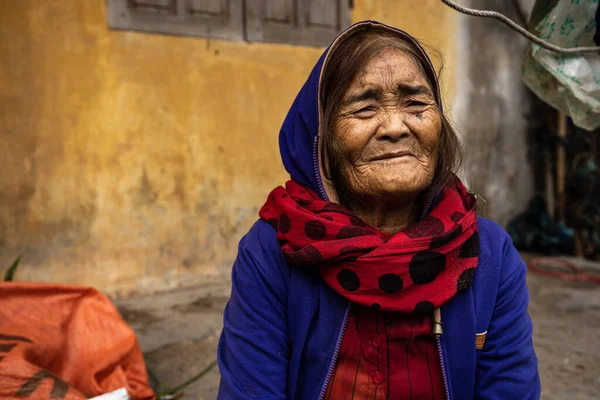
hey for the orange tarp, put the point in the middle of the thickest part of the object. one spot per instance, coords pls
(65, 342)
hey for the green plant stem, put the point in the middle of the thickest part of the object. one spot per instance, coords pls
(8, 277)
(189, 381)
(153, 377)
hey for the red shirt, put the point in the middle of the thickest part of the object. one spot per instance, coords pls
(387, 356)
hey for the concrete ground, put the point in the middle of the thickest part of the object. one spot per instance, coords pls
(178, 332)
(566, 322)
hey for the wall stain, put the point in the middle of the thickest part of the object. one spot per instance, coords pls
(145, 195)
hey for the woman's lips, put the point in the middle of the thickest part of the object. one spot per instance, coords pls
(388, 156)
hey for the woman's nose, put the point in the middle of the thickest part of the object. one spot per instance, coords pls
(393, 126)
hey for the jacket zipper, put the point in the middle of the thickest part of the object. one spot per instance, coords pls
(338, 344)
(438, 341)
(336, 353)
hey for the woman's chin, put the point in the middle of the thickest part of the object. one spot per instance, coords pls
(403, 185)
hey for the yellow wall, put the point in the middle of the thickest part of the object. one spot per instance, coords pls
(135, 162)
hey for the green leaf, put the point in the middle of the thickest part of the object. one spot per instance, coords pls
(8, 277)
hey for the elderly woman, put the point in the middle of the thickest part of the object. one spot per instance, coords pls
(341, 288)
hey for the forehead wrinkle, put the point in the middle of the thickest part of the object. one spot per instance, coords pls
(380, 80)
(387, 75)
(390, 76)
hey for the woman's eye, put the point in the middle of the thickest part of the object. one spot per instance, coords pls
(365, 112)
(414, 103)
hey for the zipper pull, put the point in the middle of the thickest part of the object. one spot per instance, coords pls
(436, 324)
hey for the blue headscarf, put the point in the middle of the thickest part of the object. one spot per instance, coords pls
(298, 138)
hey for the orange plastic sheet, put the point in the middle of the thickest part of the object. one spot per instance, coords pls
(65, 342)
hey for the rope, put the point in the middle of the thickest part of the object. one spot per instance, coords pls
(575, 274)
(520, 29)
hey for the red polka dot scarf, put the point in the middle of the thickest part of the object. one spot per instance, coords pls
(415, 270)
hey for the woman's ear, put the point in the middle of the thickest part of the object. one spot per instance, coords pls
(324, 170)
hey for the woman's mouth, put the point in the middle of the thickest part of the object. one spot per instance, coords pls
(393, 155)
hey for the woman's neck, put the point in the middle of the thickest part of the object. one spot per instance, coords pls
(387, 216)
(390, 216)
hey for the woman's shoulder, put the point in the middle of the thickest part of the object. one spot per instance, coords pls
(498, 258)
(260, 237)
(495, 243)
(493, 237)
(260, 249)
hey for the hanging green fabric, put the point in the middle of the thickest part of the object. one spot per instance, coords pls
(569, 83)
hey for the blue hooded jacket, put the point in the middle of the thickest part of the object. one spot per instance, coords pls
(283, 325)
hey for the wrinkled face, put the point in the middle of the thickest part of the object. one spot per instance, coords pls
(388, 128)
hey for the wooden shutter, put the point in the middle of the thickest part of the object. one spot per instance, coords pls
(207, 18)
(304, 22)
